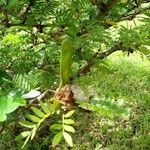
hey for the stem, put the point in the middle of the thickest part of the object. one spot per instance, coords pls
(63, 123)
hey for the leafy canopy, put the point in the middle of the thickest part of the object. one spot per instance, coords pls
(31, 32)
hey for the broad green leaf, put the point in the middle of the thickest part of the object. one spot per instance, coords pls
(38, 112)
(45, 108)
(69, 128)
(57, 138)
(9, 104)
(27, 124)
(3, 117)
(33, 118)
(11, 107)
(69, 114)
(68, 139)
(22, 135)
(68, 121)
(56, 126)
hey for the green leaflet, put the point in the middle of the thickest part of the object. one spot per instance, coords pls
(27, 124)
(57, 138)
(45, 108)
(22, 135)
(68, 138)
(40, 115)
(66, 55)
(69, 114)
(69, 128)
(38, 112)
(56, 126)
(33, 118)
(69, 121)
(63, 127)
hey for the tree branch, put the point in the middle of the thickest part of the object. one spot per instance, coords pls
(138, 10)
(27, 10)
(6, 20)
(103, 8)
(28, 25)
(100, 55)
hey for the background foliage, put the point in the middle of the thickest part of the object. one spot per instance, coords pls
(111, 66)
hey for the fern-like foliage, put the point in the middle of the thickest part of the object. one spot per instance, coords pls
(63, 128)
(46, 110)
(33, 121)
(25, 82)
(21, 82)
(106, 108)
